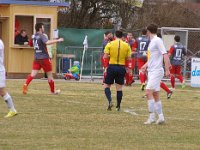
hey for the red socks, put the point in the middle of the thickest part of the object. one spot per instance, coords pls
(164, 87)
(180, 78)
(51, 84)
(172, 81)
(142, 77)
(29, 79)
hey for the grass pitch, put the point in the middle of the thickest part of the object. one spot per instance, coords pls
(78, 120)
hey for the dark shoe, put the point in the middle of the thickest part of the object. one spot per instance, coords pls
(142, 86)
(144, 96)
(109, 108)
(169, 94)
(118, 108)
(110, 105)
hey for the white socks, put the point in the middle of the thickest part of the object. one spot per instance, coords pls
(151, 109)
(155, 107)
(158, 108)
(9, 102)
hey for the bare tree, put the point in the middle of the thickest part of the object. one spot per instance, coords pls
(166, 13)
(96, 13)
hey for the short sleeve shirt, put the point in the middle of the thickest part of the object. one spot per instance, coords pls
(155, 52)
(2, 68)
(39, 43)
(118, 51)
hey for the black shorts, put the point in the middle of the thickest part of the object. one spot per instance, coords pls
(115, 73)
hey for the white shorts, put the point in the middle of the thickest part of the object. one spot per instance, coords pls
(2, 79)
(154, 79)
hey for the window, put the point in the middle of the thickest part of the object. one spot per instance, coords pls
(24, 23)
(27, 23)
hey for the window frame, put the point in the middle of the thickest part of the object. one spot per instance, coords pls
(35, 16)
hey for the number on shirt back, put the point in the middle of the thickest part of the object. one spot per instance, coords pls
(178, 53)
(35, 44)
(142, 46)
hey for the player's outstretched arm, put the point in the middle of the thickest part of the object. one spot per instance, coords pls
(49, 42)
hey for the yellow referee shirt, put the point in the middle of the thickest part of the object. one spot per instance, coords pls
(118, 51)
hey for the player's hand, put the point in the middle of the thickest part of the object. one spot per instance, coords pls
(143, 69)
(167, 73)
(60, 40)
(25, 43)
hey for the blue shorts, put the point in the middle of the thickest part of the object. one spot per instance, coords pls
(115, 73)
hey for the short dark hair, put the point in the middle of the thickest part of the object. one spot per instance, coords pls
(118, 34)
(38, 26)
(107, 32)
(177, 38)
(144, 31)
(153, 28)
(22, 31)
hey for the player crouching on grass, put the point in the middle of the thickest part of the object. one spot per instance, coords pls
(118, 51)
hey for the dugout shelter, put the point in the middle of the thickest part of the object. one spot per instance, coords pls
(16, 15)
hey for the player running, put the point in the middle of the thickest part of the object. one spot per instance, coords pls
(176, 53)
(41, 58)
(140, 47)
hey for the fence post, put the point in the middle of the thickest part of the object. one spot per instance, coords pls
(91, 69)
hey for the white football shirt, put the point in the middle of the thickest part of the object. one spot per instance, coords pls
(155, 52)
(2, 68)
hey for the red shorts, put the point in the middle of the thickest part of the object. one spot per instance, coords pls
(141, 62)
(45, 64)
(176, 70)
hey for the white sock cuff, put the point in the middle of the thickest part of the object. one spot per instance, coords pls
(6, 97)
(158, 102)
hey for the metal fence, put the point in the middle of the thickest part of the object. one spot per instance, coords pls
(91, 64)
(190, 38)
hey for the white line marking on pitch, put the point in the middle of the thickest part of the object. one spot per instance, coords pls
(132, 112)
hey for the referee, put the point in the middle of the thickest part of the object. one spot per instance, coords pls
(118, 52)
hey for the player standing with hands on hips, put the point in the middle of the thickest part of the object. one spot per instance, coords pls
(154, 66)
(42, 59)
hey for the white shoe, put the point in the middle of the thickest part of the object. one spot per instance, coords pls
(56, 92)
(172, 89)
(149, 121)
(160, 121)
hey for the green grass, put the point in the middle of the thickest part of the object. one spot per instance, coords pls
(78, 120)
